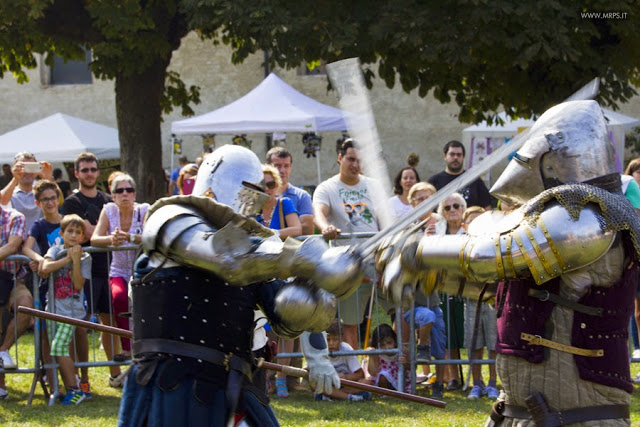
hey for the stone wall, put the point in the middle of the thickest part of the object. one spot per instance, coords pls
(405, 122)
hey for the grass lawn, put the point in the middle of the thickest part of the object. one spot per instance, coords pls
(298, 410)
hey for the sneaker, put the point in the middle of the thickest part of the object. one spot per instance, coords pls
(73, 397)
(454, 385)
(424, 352)
(491, 392)
(85, 387)
(118, 381)
(6, 360)
(636, 380)
(355, 398)
(281, 387)
(322, 397)
(475, 393)
(366, 396)
(4, 395)
(636, 354)
(437, 391)
(293, 384)
(431, 378)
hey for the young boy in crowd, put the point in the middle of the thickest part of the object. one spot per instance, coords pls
(71, 272)
(44, 233)
(347, 367)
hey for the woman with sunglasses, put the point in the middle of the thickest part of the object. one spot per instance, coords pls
(278, 213)
(120, 224)
(452, 209)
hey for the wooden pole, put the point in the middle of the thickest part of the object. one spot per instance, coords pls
(76, 322)
(297, 372)
(288, 370)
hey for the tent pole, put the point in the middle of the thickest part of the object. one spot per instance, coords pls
(171, 156)
(318, 165)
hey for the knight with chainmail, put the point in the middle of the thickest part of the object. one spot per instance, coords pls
(565, 265)
(207, 266)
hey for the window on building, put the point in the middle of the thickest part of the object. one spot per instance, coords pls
(71, 72)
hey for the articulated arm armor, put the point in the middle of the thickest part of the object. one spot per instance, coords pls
(561, 230)
(199, 232)
(553, 245)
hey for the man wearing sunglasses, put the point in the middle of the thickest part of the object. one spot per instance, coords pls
(87, 202)
(476, 193)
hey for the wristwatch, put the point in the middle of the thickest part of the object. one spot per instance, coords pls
(132, 238)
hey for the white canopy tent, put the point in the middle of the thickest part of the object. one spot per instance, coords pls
(272, 106)
(60, 138)
(617, 123)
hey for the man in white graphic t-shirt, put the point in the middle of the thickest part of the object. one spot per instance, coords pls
(344, 204)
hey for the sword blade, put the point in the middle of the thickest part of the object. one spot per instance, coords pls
(346, 77)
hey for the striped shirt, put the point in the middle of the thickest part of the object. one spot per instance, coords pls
(12, 224)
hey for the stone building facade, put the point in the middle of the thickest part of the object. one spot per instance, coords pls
(405, 122)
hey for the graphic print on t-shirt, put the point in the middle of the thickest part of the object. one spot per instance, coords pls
(356, 204)
(54, 238)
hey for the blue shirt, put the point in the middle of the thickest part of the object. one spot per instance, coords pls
(287, 208)
(174, 177)
(46, 235)
(301, 200)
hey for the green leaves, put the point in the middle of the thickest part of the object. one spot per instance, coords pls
(482, 54)
(176, 94)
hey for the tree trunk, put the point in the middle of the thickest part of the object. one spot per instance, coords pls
(139, 113)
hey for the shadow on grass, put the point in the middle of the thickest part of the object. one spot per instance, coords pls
(301, 409)
(99, 410)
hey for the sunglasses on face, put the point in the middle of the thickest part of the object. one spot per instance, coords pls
(87, 170)
(122, 190)
(455, 206)
(270, 185)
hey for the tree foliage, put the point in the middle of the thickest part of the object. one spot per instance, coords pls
(481, 54)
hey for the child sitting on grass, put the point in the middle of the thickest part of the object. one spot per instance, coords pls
(347, 367)
(71, 273)
(383, 369)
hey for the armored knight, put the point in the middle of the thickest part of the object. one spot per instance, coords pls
(207, 266)
(566, 268)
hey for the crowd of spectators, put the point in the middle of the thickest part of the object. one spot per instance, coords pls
(44, 219)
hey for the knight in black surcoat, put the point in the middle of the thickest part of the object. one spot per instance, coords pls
(206, 267)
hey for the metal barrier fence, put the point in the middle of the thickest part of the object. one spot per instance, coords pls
(40, 368)
(23, 260)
